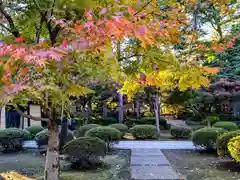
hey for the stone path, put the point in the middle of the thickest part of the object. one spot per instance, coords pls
(149, 163)
(155, 145)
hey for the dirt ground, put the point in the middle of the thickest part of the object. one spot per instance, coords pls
(202, 165)
(31, 164)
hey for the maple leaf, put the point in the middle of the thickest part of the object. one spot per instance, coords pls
(19, 39)
(64, 43)
(230, 44)
(131, 11)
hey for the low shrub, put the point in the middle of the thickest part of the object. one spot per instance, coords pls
(11, 138)
(222, 142)
(13, 176)
(34, 129)
(229, 126)
(180, 132)
(210, 120)
(42, 137)
(207, 137)
(121, 127)
(151, 121)
(144, 131)
(26, 135)
(85, 152)
(83, 129)
(108, 134)
(109, 120)
(234, 148)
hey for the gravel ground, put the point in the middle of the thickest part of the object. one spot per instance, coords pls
(31, 164)
(202, 165)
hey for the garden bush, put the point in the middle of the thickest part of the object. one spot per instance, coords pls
(26, 135)
(34, 129)
(207, 137)
(222, 142)
(234, 148)
(108, 121)
(229, 126)
(83, 129)
(12, 133)
(210, 120)
(11, 138)
(151, 121)
(144, 131)
(180, 132)
(108, 134)
(85, 152)
(121, 127)
(42, 137)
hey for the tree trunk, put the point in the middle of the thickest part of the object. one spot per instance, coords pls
(51, 171)
(104, 110)
(157, 113)
(138, 108)
(120, 108)
(63, 133)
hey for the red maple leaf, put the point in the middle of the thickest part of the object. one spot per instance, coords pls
(64, 43)
(19, 39)
(131, 11)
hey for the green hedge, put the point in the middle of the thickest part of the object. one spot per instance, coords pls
(107, 134)
(121, 127)
(144, 131)
(180, 132)
(222, 142)
(83, 129)
(234, 148)
(85, 152)
(207, 137)
(34, 129)
(229, 126)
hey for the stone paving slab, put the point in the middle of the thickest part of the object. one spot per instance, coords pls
(156, 145)
(160, 160)
(147, 152)
(153, 173)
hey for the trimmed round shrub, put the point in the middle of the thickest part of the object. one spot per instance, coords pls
(108, 121)
(83, 129)
(11, 138)
(11, 133)
(234, 148)
(42, 137)
(144, 131)
(229, 126)
(85, 152)
(180, 132)
(121, 127)
(207, 137)
(107, 134)
(222, 142)
(151, 121)
(26, 135)
(34, 129)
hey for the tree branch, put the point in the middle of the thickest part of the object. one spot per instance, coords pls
(143, 7)
(12, 28)
(30, 116)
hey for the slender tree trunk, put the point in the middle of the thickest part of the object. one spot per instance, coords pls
(138, 108)
(157, 113)
(51, 171)
(120, 108)
(104, 110)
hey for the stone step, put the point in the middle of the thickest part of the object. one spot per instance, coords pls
(160, 160)
(154, 173)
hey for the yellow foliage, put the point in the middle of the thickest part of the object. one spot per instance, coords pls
(13, 176)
